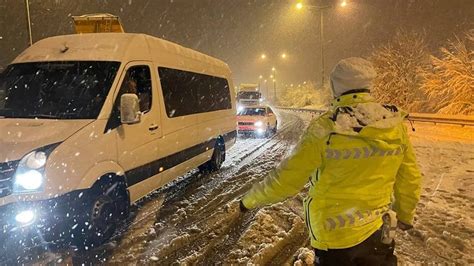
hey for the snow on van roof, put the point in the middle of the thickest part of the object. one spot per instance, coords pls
(122, 47)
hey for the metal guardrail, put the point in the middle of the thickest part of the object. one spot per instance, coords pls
(462, 120)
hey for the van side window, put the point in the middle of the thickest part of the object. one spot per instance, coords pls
(187, 93)
(138, 81)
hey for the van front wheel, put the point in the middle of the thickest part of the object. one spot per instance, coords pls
(102, 212)
(217, 159)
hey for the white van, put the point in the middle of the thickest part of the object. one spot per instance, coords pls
(92, 123)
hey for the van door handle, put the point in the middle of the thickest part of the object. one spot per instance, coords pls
(153, 127)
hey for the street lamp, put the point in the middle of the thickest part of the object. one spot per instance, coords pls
(300, 6)
(283, 56)
(263, 56)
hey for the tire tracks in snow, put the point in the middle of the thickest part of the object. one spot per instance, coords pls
(196, 216)
(200, 227)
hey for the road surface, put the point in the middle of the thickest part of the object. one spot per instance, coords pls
(195, 220)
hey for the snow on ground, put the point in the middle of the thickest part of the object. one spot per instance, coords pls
(444, 226)
(196, 220)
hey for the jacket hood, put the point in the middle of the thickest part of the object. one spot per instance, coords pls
(21, 136)
(359, 115)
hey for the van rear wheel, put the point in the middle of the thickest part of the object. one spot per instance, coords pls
(217, 159)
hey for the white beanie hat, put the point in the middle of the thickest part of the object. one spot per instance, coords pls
(352, 73)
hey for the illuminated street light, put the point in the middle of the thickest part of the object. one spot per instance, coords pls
(273, 69)
(299, 6)
(263, 56)
(283, 55)
(260, 77)
(271, 76)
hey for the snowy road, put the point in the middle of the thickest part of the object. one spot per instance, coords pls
(196, 220)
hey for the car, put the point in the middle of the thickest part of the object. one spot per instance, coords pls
(259, 121)
(92, 123)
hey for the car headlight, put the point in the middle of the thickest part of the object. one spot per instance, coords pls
(258, 123)
(29, 174)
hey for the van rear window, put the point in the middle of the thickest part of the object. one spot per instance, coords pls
(187, 93)
(56, 90)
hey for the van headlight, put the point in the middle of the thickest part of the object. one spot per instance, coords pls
(258, 124)
(29, 176)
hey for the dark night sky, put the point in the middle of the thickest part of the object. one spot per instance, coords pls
(238, 31)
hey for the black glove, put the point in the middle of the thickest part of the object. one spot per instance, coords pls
(403, 226)
(242, 206)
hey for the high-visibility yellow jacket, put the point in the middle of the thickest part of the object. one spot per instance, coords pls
(359, 162)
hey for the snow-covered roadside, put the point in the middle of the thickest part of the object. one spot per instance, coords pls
(444, 226)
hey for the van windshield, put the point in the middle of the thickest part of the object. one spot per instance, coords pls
(56, 90)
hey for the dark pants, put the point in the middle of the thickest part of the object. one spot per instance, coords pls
(370, 252)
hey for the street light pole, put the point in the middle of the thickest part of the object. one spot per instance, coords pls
(27, 4)
(274, 86)
(321, 37)
(321, 31)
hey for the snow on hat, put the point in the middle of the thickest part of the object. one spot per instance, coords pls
(351, 74)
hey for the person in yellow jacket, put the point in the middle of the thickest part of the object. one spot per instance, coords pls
(361, 168)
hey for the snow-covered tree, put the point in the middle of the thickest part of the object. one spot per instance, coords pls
(306, 95)
(399, 65)
(449, 82)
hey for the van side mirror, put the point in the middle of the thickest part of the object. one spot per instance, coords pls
(129, 109)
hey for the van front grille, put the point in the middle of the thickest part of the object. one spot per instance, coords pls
(7, 170)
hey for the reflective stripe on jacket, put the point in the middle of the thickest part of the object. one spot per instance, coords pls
(357, 156)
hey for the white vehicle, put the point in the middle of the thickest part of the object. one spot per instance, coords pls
(92, 123)
(248, 94)
(259, 121)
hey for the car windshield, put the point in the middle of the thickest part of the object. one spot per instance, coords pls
(56, 90)
(253, 111)
(249, 95)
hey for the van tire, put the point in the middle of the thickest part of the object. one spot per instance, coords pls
(107, 203)
(218, 157)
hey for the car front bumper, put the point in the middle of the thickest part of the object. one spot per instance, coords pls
(251, 130)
